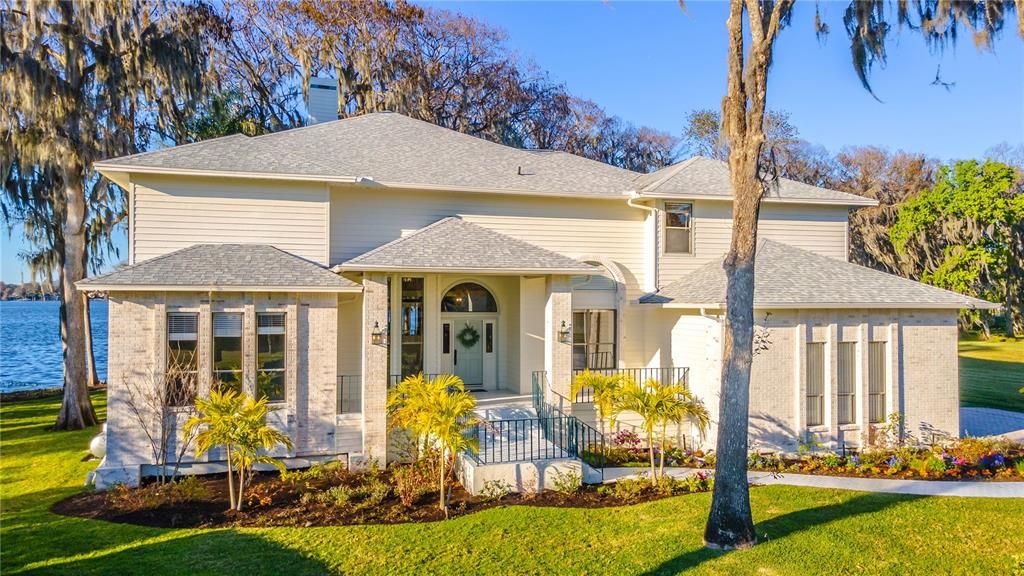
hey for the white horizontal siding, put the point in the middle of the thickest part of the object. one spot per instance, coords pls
(361, 221)
(174, 213)
(820, 229)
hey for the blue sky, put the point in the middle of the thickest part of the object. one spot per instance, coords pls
(651, 63)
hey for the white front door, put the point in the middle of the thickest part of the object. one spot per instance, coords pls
(469, 349)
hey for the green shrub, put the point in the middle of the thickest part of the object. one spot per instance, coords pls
(190, 489)
(374, 491)
(1019, 466)
(630, 488)
(568, 482)
(935, 464)
(832, 460)
(339, 496)
(495, 490)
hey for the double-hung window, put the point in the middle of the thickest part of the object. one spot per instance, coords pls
(227, 351)
(270, 356)
(182, 358)
(593, 339)
(846, 386)
(815, 383)
(876, 382)
(678, 228)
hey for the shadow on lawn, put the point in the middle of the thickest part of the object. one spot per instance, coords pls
(787, 524)
(207, 552)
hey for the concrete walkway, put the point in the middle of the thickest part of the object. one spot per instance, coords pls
(992, 422)
(967, 489)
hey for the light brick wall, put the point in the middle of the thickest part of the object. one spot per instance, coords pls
(558, 355)
(375, 368)
(929, 373)
(922, 374)
(137, 356)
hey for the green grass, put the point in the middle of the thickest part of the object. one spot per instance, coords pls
(992, 372)
(803, 531)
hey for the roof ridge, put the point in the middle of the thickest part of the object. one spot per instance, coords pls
(671, 171)
(176, 147)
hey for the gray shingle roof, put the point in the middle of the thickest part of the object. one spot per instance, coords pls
(391, 149)
(454, 244)
(224, 267)
(788, 277)
(705, 177)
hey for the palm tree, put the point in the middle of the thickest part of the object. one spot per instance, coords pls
(239, 423)
(658, 405)
(438, 412)
(680, 406)
(605, 388)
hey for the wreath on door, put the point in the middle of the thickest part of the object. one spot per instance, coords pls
(468, 336)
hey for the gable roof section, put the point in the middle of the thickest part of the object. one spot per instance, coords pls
(454, 245)
(387, 149)
(788, 277)
(223, 268)
(701, 177)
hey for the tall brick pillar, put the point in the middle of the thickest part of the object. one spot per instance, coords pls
(558, 355)
(375, 369)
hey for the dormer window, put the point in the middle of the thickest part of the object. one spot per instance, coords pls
(678, 228)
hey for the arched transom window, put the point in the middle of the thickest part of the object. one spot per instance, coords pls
(468, 297)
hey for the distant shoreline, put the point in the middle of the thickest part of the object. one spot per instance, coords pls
(36, 393)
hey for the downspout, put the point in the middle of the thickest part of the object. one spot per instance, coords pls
(631, 202)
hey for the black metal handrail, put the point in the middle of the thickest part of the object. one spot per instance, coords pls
(663, 375)
(568, 433)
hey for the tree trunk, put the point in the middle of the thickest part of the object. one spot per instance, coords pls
(650, 452)
(241, 488)
(76, 411)
(730, 525)
(231, 481)
(443, 505)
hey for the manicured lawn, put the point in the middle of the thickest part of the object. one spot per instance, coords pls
(803, 531)
(992, 373)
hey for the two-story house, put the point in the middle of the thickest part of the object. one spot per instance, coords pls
(318, 265)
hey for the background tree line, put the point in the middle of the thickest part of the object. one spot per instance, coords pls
(958, 226)
(81, 82)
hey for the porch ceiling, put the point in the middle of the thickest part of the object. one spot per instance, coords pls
(454, 245)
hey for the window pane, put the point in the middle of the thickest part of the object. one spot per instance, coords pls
(846, 386)
(270, 356)
(489, 338)
(182, 358)
(594, 339)
(270, 351)
(227, 351)
(271, 385)
(468, 297)
(579, 327)
(815, 383)
(678, 215)
(412, 326)
(677, 240)
(876, 381)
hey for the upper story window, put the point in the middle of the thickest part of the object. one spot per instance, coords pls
(270, 351)
(227, 350)
(182, 358)
(678, 228)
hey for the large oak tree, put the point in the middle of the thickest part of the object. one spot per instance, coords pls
(81, 82)
(753, 27)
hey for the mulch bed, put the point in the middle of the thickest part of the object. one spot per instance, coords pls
(281, 505)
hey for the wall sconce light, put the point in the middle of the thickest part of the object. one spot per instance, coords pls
(378, 337)
(565, 333)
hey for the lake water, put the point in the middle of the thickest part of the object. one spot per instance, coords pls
(30, 351)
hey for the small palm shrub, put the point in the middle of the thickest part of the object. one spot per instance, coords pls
(438, 412)
(239, 423)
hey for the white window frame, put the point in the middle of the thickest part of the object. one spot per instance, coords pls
(262, 330)
(175, 336)
(671, 208)
(213, 346)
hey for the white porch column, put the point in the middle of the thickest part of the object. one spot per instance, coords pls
(558, 355)
(375, 369)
